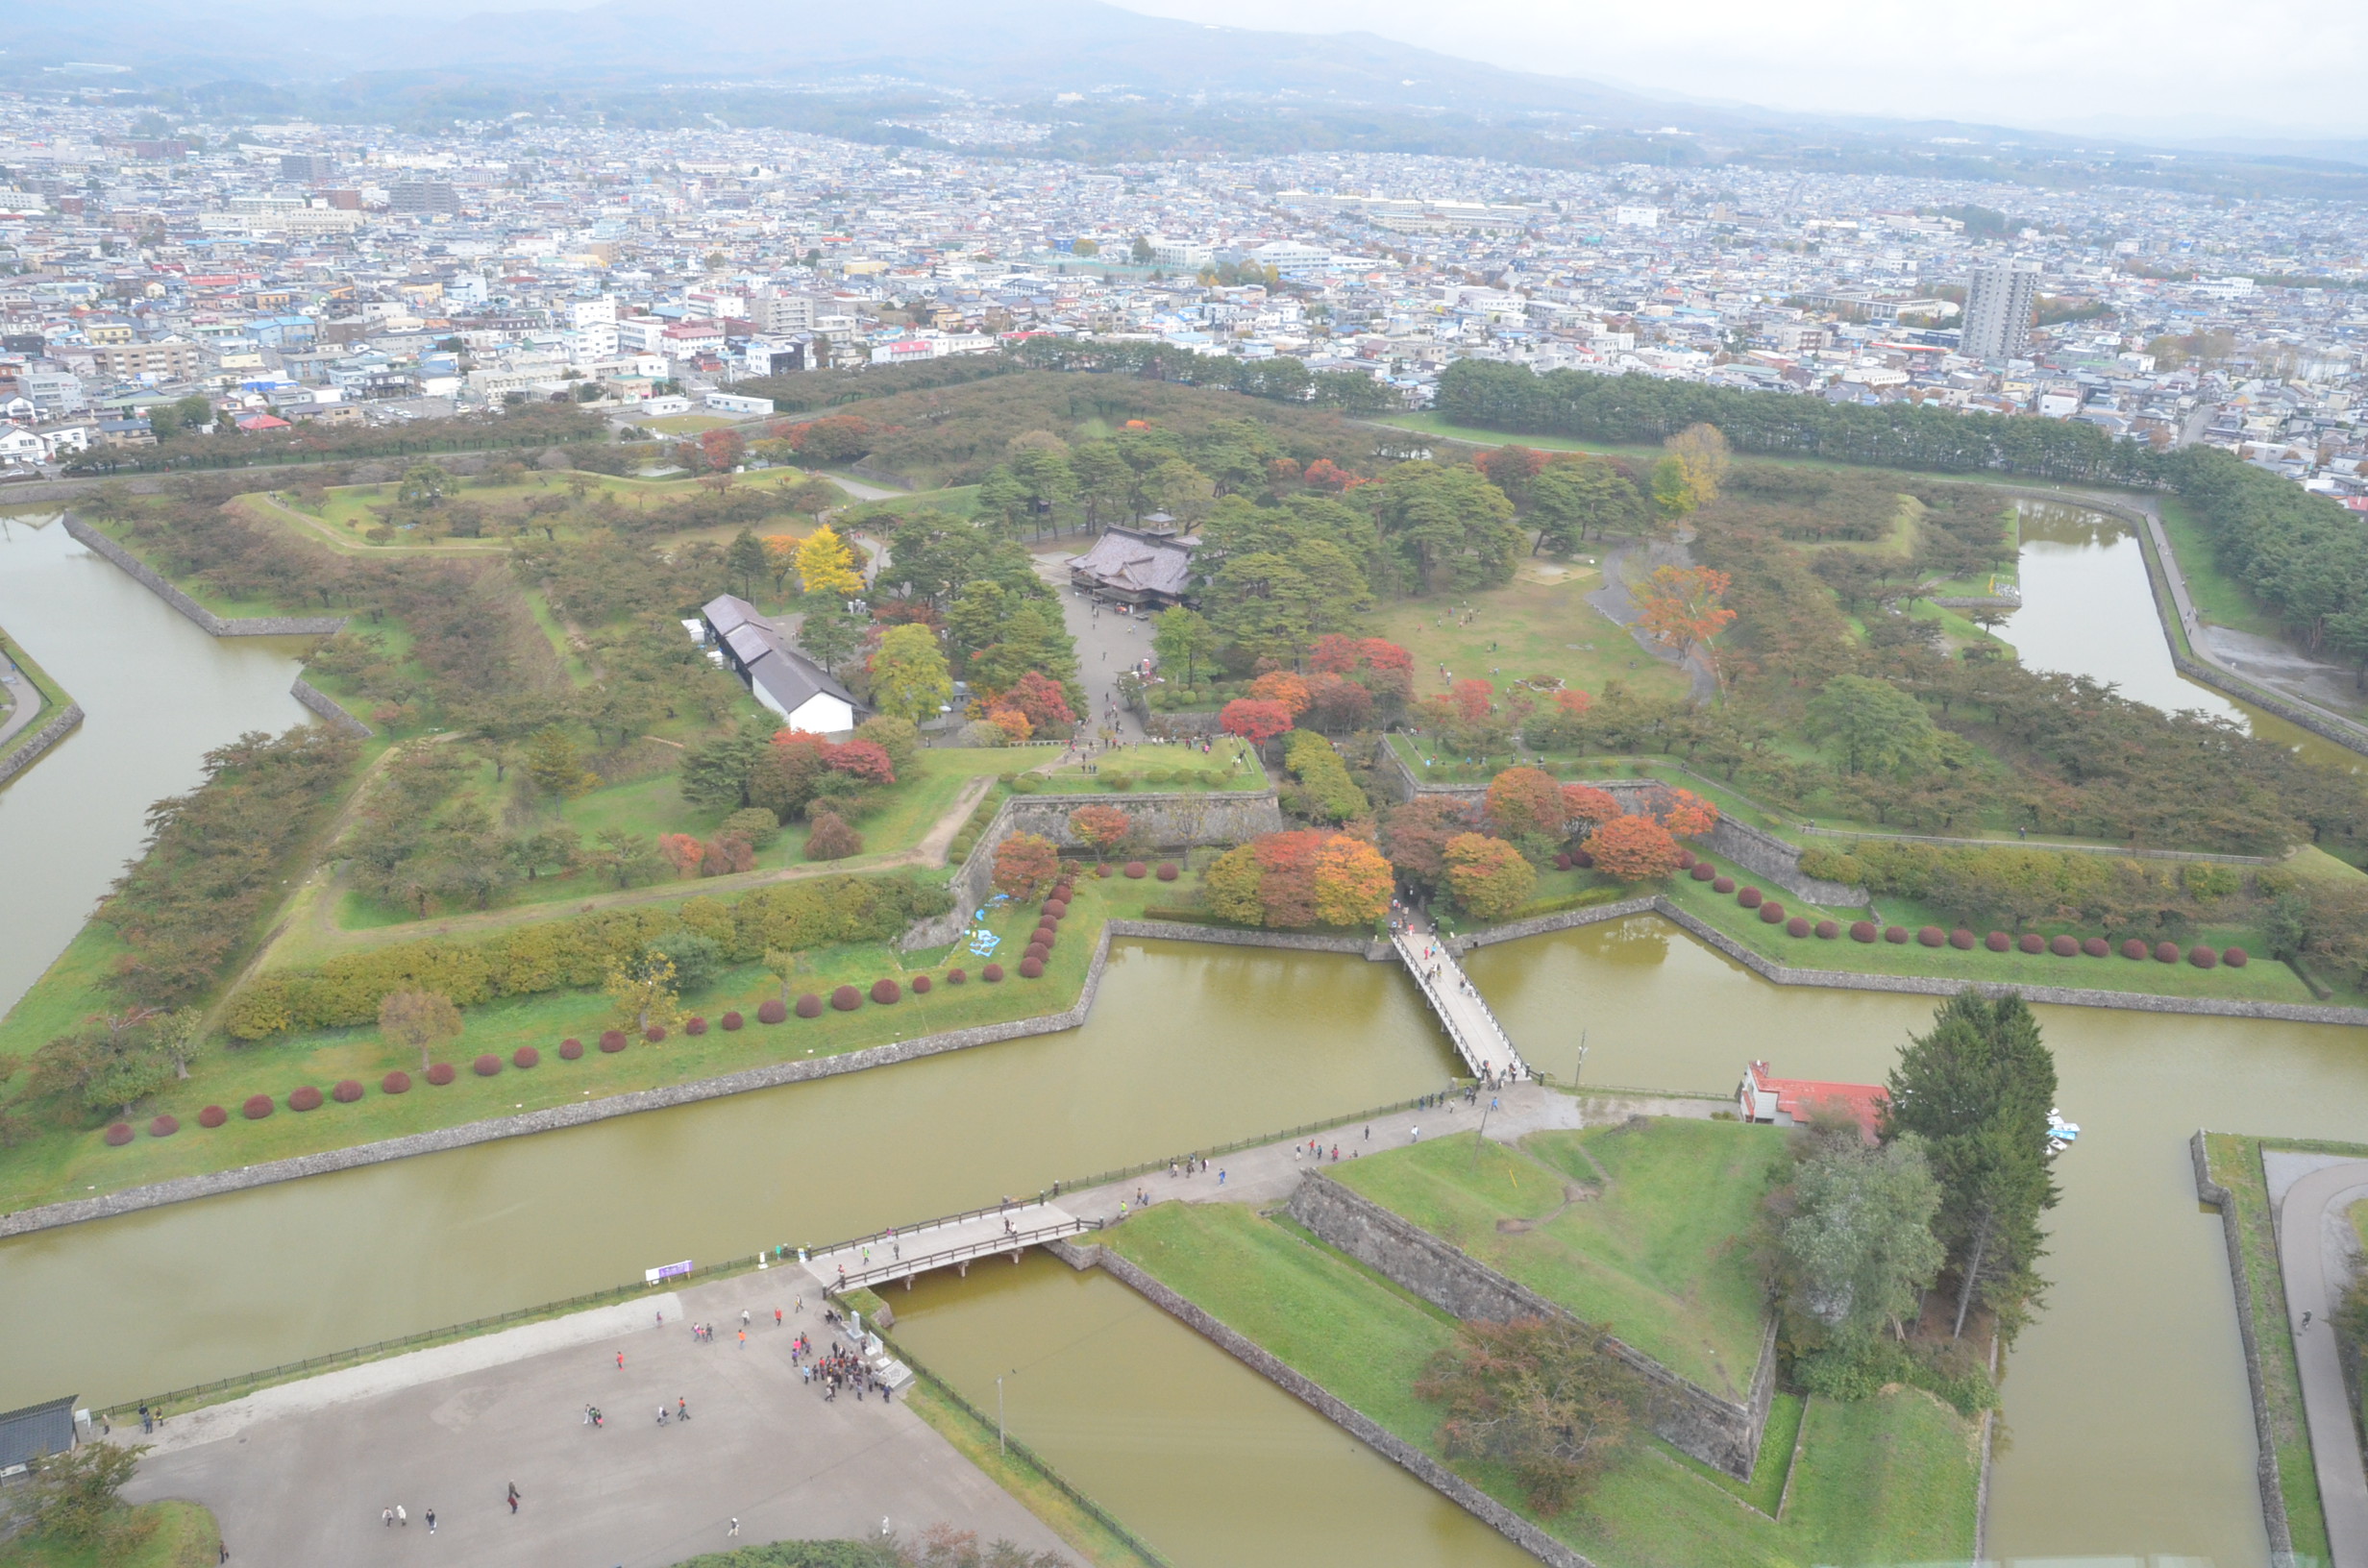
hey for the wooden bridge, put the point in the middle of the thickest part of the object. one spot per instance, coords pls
(1479, 1039)
(957, 1241)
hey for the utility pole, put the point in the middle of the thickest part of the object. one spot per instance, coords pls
(998, 1415)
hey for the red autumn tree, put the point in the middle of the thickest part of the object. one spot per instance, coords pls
(1511, 469)
(1041, 698)
(1472, 700)
(1525, 801)
(1335, 653)
(1103, 828)
(1417, 834)
(1586, 803)
(1025, 865)
(1287, 875)
(1634, 848)
(1281, 472)
(683, 852)
(1324, 474)
(1679, 606)
(1573, 702)
(841, 438)
(1254, 719)
(1340, 703)
(1284, 687)
(725, 855)
(722, 450)
(866, 760)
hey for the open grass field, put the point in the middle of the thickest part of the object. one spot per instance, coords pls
(59, 1162)
(346, 513)
(1891, 1479)
(2234, 1161)
(1540, 625)
(1661, 1254)
(163, 1535)
(1230, 766)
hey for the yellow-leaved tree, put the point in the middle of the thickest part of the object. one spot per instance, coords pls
(826, 566)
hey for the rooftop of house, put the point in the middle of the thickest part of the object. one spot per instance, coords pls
(1791, 1100)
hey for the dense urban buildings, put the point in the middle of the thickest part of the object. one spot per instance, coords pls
(302, 271)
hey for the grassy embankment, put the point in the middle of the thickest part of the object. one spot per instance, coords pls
(52, 696)
(1891, 1479)
(1656, 1251)
(62, 1162)
(167, 1535)
(2234, 1161)
(2218, 597)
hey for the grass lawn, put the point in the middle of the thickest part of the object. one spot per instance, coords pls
(2258, 981)
(686, 424)
(1662, 1256)
(173, 1535)
(1540, 625)
(1230, 766)
(62, 1162)
(347, 512)
(2234, 1161)
(1893, 1478)
(52, 696)
(2219, 598)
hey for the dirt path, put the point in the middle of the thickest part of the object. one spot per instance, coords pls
(326, 938)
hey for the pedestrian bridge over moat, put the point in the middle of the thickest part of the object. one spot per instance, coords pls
(906, 1253)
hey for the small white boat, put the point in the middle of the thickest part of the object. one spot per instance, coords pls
(2060, 1133)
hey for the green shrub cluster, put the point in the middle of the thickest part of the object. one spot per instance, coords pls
(1328, 794)
(572, 954)
(2011, 886)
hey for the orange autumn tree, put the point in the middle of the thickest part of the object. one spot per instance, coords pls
(1634, 850)
(1586, 803)
(1100, 827)
(1488, 876)
(1526, 801)
(1679, 606)
(1254, 719)
(1025, 865)
(1684, 813)
(1282, 686)
(1304, 877)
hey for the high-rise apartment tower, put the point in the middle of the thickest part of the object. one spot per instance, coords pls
(1998, 305)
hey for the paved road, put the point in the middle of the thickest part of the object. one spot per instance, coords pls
(27, 698)
(302, 1484)
(2315, 1256)
(1109, 641)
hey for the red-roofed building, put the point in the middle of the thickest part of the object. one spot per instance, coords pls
(1790, 1102)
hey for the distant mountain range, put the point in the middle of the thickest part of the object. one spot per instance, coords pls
(1113, 82)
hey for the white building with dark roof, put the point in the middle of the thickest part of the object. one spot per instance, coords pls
(780, 676)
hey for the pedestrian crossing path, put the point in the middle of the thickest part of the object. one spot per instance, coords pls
(1479, 1039)
(957, 1241)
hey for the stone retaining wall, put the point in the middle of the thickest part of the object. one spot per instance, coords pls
(1399, 1452)
(39, 742)
(1723, 1434)
(272, 625)
(330, 711)
(1178, 819)
(1233, 937)
(216, 1183)
(2266, 1474)
(1563, 920)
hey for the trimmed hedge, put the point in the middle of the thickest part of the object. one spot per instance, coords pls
(1962, 940)
(2097, 947)
(486, 1065)
(991, 973)
(2235, 958)
(2135, 948)
(2064, 948)
(886, 992)
(654, 1033)
(1582, 859)
(732, 1023)
(1703, 871)
(571, 1050)
(347, 1091)
(1771, 912)
(257, 1107)
(955, 977)
(1797, 926)
(847, 998)
(612, 1041)
(1930, 936)
(1895, 933)
(695, 1025)
(118, 1133)
(2166, 952)
(1862, 931)
(526, 1056)
(1036, 950)
(575, 953)
(1136, 870)
(1032, 968)
(441, 1073)
(921, 985)
(164, 1125)
(1828, 930)
(1998, 942)
(771, 1010)
(1167, 870)
(809, 1006)
(397, 1082)
(2031, 942)
(1750, 897)
(2203, 957)
(304, 1097)
(1723, 883)
(213, 1115)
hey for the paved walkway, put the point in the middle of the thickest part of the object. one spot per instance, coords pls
(954, 1242)
(1471, 1024)
(27, 698)
(301, 1474)
(2314, 1254)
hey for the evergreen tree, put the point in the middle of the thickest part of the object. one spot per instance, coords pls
(1978, 1088)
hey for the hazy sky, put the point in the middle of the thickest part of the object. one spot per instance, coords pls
(2270, 66)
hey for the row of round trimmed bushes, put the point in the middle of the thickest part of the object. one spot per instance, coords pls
(2202, 956)
(884, 992)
